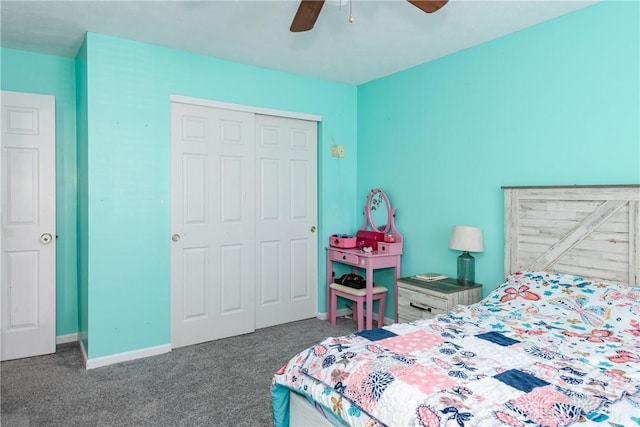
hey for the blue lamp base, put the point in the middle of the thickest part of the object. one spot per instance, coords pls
(466, 269)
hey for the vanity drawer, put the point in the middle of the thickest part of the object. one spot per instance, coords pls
(390, 248)
(345, 257)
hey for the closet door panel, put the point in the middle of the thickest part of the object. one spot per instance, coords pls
(213, 223)
(286, 158)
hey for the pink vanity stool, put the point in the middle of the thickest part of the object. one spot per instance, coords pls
(358, 296)
(387, 255)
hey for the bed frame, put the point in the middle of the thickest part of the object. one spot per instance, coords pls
(589, 231)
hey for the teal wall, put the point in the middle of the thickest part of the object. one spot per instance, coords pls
(53, 75)
(557, 103)
(554, 104)
(128, 172)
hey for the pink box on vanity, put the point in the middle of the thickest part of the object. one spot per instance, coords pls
(342, 241)
(369, 239)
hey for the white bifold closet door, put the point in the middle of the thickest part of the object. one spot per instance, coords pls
(243, 208)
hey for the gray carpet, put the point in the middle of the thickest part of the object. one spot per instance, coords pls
(218, 383)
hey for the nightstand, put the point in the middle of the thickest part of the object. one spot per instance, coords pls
(418, 299)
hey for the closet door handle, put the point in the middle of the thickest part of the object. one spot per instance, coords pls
(313, 228)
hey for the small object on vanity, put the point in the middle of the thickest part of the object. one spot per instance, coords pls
(466, 239)
(389, 238)
(344, 241)
(367, 249)
(430, 277)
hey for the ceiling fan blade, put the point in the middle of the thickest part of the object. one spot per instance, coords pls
(428, 6)
(306, 15)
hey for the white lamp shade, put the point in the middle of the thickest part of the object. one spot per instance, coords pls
(465, 238)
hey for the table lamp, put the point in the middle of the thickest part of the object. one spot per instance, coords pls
(466, 239)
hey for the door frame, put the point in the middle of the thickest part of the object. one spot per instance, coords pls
(240, 107)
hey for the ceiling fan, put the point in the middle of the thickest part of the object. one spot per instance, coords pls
(309, 10)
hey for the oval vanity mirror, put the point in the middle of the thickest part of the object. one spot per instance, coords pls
(380, 210)
(379, 216)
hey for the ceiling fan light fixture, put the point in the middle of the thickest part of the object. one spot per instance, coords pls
(308, 11)
(338, 3)
(343, 3)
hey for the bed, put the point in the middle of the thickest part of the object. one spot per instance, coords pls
(557, 343)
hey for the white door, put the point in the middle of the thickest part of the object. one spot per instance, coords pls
(286, 208)
(28, 225)
(213, 223)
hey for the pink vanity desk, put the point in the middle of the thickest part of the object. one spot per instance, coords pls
(387, 256)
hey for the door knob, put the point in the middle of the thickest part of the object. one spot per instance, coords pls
(46, 238)
(175, 237)
(313, 228)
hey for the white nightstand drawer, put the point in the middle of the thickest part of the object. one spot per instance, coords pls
(415, 305)
(424, 300)
(409, 311)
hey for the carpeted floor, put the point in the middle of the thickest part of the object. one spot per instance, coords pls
(218, 383)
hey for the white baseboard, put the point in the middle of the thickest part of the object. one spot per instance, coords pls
(340, 313)
(98, 362)
(63, 339)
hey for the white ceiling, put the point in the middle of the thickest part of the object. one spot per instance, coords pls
(386, 36)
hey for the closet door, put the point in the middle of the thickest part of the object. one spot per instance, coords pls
(286, 219)
(212, 223)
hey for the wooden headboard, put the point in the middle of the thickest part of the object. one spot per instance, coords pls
(588, 231)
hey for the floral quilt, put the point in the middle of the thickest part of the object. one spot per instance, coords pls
(541, 350)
